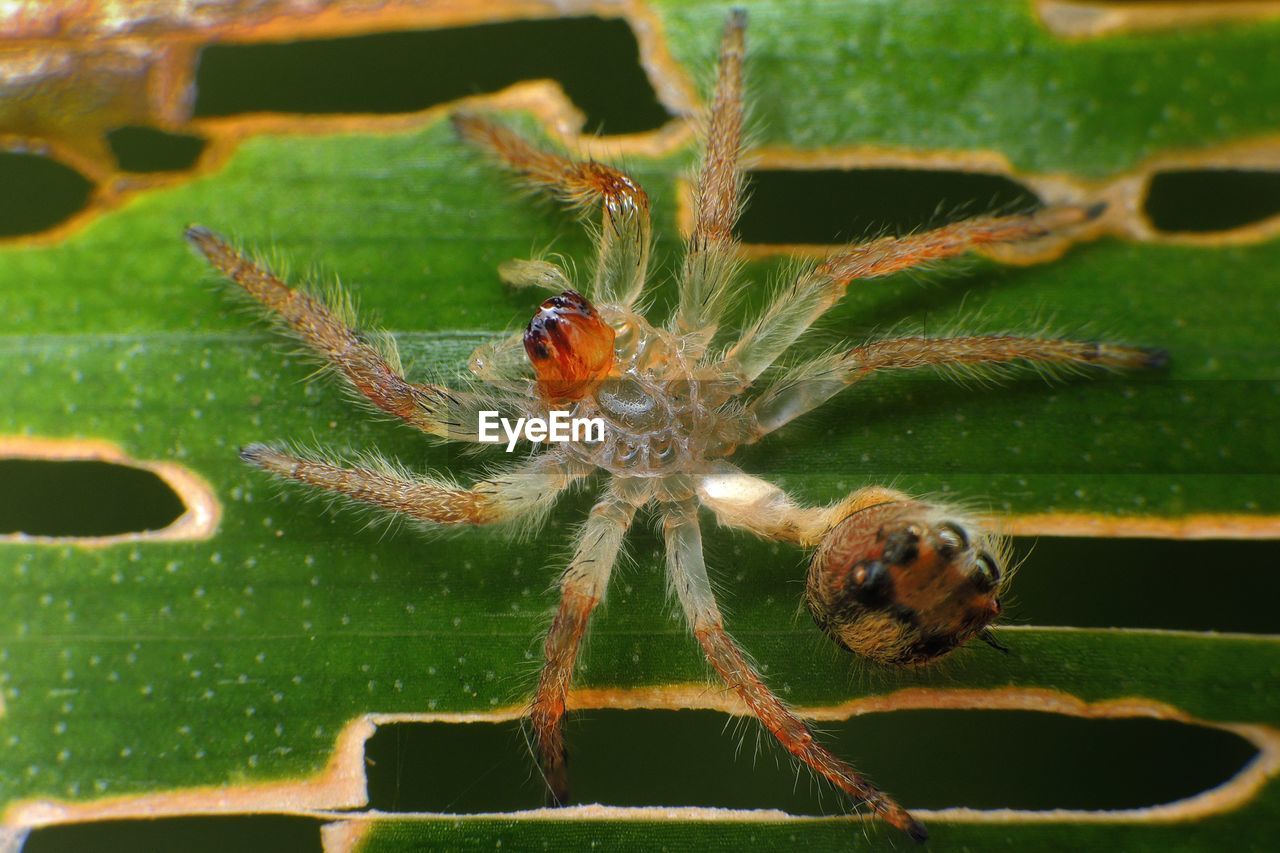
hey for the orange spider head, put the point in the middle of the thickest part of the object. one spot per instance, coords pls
(570, 347)
(902, 583)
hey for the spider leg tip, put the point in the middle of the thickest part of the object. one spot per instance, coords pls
(989, 638)
(466, 124)
(197, 234)
(917, 831)
(1156, 358)
(254, 453)
(556, 795)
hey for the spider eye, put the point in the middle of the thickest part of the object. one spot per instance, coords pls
(985, 570)
(871, 585)
(951, 538)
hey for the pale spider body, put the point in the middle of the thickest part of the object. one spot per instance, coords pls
(892, 578)
(662, 414)
(660, 418)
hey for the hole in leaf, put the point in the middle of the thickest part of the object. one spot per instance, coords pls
(1125, 412)
(147, 149)
(83, 498)
(840, 205)
(1227, 585)
(1208, 200)
(596, 61)
(928, 759)
(242, 833)
(39, 193)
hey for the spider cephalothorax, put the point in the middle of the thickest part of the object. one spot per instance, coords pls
(895, 579)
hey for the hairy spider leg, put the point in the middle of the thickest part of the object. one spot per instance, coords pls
(625, 231)
(534, 273)
(711, 258)
(744, 502)
(527, 491)
(582, 587)
(813, 293)
(687, 573)
(807, 386)
(372, 372)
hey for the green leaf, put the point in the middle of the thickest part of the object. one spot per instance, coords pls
(158, 666)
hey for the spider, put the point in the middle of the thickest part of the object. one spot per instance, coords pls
(892, 578)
